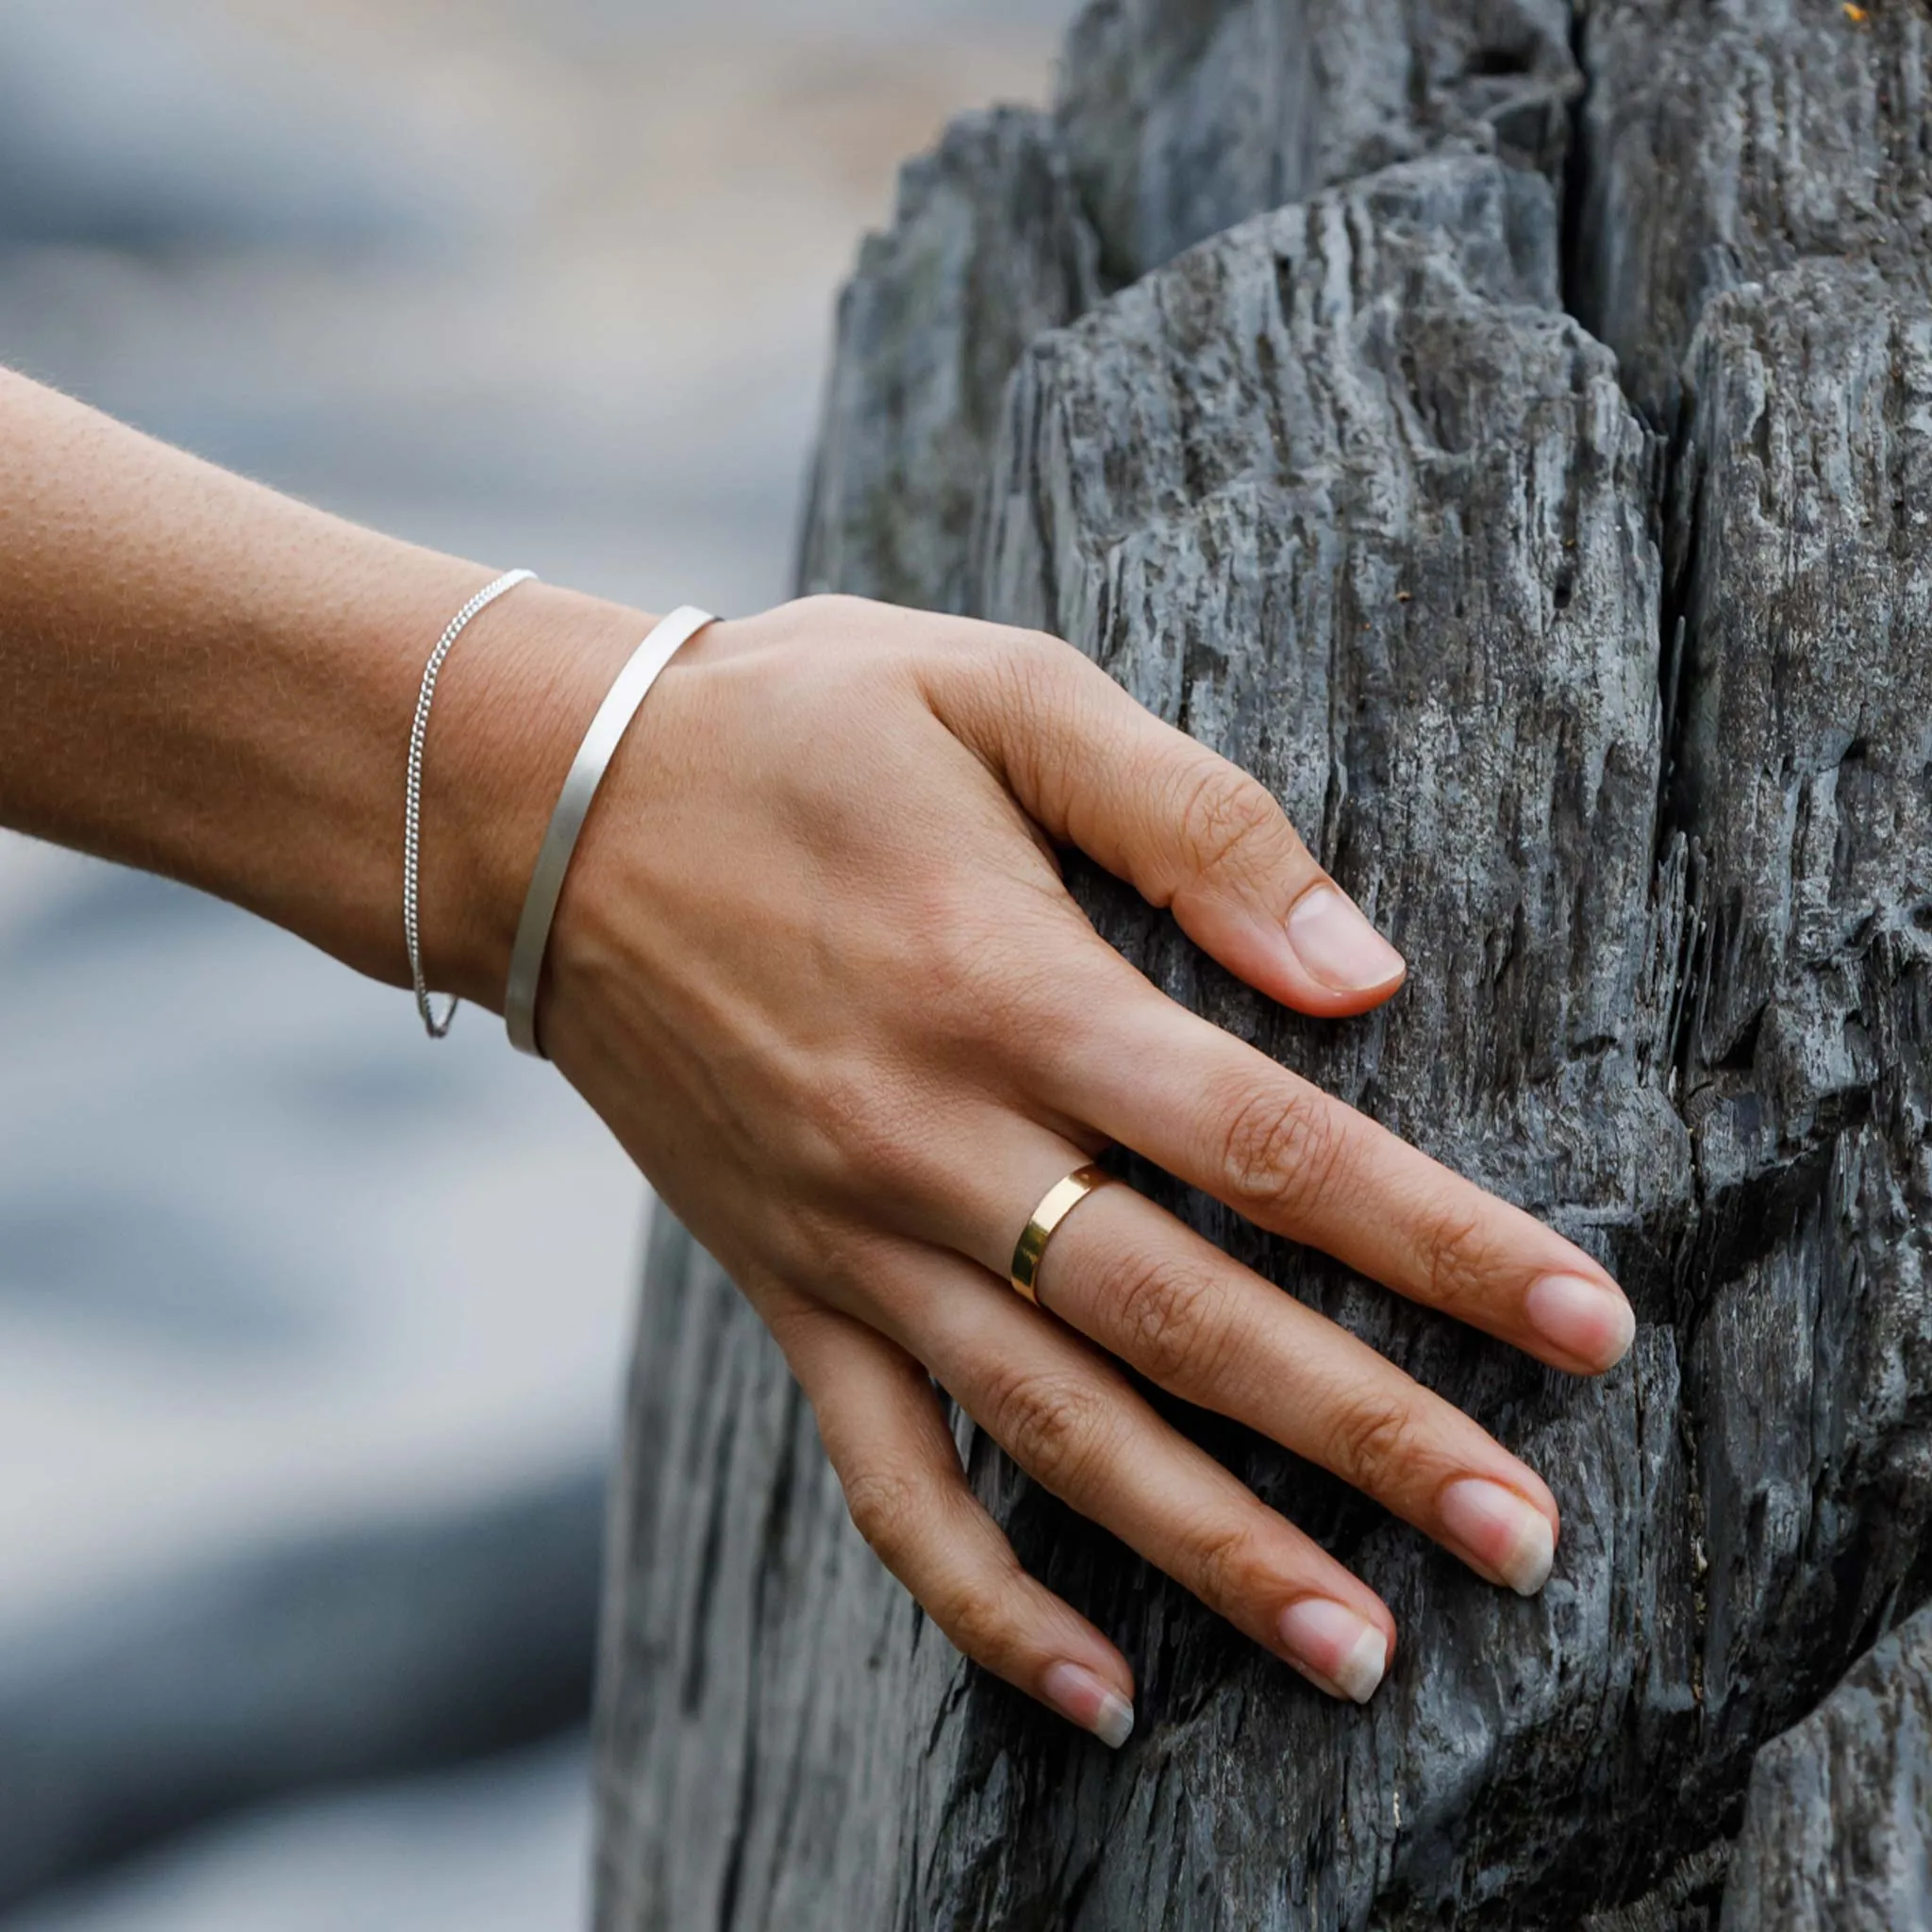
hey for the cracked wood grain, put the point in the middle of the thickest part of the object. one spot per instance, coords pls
(1616, 667)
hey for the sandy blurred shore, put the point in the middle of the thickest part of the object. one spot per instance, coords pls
(541, 283)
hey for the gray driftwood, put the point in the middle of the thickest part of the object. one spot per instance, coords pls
(1608, 689)
(1838, 1823)
(1185, 117)
(990, 250)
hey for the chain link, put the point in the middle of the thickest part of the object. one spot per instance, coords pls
(412, 797)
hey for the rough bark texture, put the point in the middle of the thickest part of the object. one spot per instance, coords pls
(1624, 736)
(1724, 139)
(1837, 1825)
(990, 250)
(1184, 117)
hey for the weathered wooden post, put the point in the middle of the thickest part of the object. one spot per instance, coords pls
(1510, 435)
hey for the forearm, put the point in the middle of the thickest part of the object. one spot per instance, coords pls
(203, 678)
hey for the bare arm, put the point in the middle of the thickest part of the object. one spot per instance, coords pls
(205, 678)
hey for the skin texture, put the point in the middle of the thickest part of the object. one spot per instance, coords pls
(815, 967)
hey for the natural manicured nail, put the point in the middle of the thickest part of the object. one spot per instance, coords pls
(1337, 1644)
(1338, 945)
(1506, 1534)
(1080, 1697)
(1584, 1318)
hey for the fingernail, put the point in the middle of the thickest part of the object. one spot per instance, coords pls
(1080, 1697)
(1337, 1644)
(1337, 943)
(1584, 1318)
(1507, 1535)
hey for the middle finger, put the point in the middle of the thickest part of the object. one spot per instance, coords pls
(1143, 1071)
(1153, 1292)
(1159, 1297)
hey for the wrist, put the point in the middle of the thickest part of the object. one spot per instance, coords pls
(511, 709)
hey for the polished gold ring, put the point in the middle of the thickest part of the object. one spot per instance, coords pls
(1061, 1199)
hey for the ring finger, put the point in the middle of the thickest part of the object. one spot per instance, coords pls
(1152, 1293)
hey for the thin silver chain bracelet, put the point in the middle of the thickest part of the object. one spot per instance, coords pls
(413, 801)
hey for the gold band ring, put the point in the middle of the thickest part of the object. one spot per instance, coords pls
(1061, 1199)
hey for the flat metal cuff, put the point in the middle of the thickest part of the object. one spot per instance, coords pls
(593, 758)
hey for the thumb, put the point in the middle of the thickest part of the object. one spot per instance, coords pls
(1189, 830)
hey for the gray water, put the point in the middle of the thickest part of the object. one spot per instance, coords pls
(545, 284)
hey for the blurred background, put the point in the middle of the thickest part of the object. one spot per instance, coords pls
(311, 1336)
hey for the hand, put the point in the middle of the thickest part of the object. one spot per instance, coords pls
(816, 967)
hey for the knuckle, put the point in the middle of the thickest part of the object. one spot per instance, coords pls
(1017, 670)
(884, 1508)
(1006, 975)
(985, 992)
(1030, 658)
(1168, 1317)
(977, 1614)
(1281, 1154)
(1455, 1261)
(869, 1145)
(1378, 1441)
(1225, 1563)
(1052, 1424)
(1225, 816)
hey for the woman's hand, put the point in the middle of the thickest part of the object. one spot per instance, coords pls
(816, 968)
